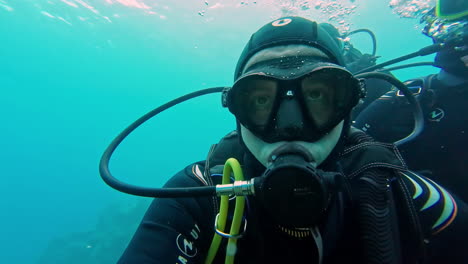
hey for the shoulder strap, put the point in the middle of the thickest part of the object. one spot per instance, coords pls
(428, 97)
(363, 153)
(227, 147)
(372, 168)
(418, 86)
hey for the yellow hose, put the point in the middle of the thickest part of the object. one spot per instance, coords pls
(231, 165)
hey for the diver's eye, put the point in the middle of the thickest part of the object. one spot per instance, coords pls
(313, 95)
(262, 101)
(254, 99)
(315, 91)
(261, 94)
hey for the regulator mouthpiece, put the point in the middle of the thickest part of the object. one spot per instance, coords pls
(293, 191)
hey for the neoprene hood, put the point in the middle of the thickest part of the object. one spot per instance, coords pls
(286, 31)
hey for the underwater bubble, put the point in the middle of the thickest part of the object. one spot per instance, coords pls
(410, 9)
(318, 5)
(305, 6)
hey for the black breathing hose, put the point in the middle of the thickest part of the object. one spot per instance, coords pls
(372, 35)
(422, 52)
(211, 190)
(152, 192)
(409, 65)
(416, 107)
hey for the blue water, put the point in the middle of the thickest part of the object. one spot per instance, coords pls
(71, 79)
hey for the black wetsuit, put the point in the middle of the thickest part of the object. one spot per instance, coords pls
(181, 230)
(440, 152)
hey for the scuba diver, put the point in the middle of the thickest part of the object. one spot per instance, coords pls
(353, 58)
(440, 151)
(356, 61)
(297, 183)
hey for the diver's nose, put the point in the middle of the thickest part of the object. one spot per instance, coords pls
(289, 120)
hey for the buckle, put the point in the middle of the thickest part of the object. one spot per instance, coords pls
(224, 96)
(226, 235)
(415, 90)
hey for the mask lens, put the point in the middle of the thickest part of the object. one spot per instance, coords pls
(328, 95)
(324, 97)
(318, 99)
(255, 97)
(451, 10)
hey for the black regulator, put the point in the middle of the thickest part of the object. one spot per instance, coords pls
(294, 192)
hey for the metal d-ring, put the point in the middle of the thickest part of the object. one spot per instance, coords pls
(226, 235)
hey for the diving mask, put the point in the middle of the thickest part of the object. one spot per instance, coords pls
(451, 9)
(279, 104)
(442, 29)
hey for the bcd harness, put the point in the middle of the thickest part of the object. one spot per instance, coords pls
(388, 233)
(422, 89)
(428, 90)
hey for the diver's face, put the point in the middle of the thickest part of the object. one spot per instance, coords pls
(293, 99)
(315, 152)
(290, 119)
(309, 99)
